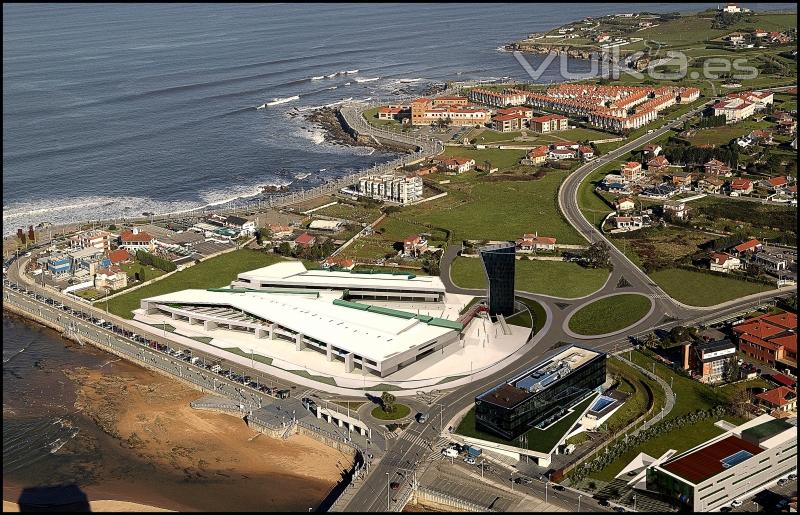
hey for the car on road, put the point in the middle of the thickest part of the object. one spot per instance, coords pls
(736, 503)
(792, 477)
(782, 481)
(619, 509)
(525, 480)
(603, 502)
(394, 485)
(450, 453)
(470, 460)
(725, 509)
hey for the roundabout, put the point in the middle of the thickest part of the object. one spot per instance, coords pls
(608, 315)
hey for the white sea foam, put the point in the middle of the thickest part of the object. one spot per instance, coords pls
(360, 79)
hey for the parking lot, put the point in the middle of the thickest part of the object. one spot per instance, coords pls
(768, 499)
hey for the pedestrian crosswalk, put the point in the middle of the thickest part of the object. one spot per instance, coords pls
(416, 439)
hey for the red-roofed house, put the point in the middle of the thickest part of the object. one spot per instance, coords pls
(657, 165)
(119, 256)
(784, 380)
(769, 338)
(632, 171)
(136, 240)
(549, 123)
(509, 122)
(393, 112)
(586, 152)
(414, 245)
(456, 164)
(777, 183)
(717, 167)
(624, 204)
(534, 242)
(781, 398)
(338, 262)
(721, 262)
(741, 186)
(537, 155)
(113, 278)
(748, 246)
(305, 240)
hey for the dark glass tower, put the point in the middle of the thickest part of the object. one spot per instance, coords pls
(498, 263)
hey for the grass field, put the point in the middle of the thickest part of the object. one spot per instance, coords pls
(498, 158)
(213, 273)
(371, 116)
(483, 210)
(356, 212)
(557, 278)
(706, 289)
(609, 314)
(723, 135)
(539, 315)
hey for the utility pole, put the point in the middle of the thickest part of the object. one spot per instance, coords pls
(387, 492)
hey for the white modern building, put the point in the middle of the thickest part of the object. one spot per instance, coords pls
(397, 286)
(394, 188)
(374, 339)
(739, 462)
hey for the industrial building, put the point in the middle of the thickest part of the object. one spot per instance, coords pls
(730, 466)
(394, 286)
(373, 339)
(542, 395)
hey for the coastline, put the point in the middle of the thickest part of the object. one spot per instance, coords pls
(140, 442)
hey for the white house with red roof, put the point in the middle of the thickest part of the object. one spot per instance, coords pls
(305, 240)
(586, 152)
(414, 245)
(632, 171)
(119, 256)
(734, 109)
(717, 167)
(741, 186)
(721, 262)
(549, 123)
(748, 246)
(625, 204)
(338, 262)
(136, 240)
(113, 278)
(777, 184)
(534, 242)
(456, 164)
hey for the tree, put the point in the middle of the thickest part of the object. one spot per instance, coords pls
(284, 249)
(259, 234)
(597, 255)
(387, 402)
(140, 274)
(730, 370)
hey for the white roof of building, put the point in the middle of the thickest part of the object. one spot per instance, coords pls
(375, 336)
(329, 225)
(294, 273)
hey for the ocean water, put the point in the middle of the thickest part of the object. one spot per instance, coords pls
(115, 110)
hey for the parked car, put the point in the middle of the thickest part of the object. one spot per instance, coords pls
(792, 477)
(782, 481)
(736, 503)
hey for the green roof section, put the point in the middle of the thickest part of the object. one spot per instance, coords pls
(436, 322)
(766, 430)
(410, 275)
(290, 291)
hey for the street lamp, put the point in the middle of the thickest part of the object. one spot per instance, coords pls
(579, 503)
(387, 491)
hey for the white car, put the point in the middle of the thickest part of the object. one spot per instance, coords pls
(470, 460)
(736, 503)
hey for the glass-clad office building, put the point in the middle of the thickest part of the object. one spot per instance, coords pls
(541, 395)
(498, 263)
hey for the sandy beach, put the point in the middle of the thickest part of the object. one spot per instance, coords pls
(158, 451)
(107, 506)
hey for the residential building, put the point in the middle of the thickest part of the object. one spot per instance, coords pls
(305, 240)
(741, 186)
(632, 171)
(586, 152)
(778, 399)
(549, 123)
(363, 337)
(652, 149)
(721, 262)
(243, 226)
(657, 164)
(534, 242)
(338, 263)
(508, 122)
(394, 112)
(95, 238)
(119, 256)
(414, 246)
(559, 154)
(772, 263)
(536, 155)
(136, 240)
(542, 394)
(499, 264)
(748, 246)
(280, 231)
(326, 225)
(112, 278)
(425, 111)
(624, 204)
(394, 286)
(769, 338)
(629, 223)
(734, 109)
(676, 210)
(59, 263)
(708, 362)
(711, 185)
(718, 168)
(682, 181)
(393, 188)
(776, 184)
(456, 164)
(508, 97)
(728, 466)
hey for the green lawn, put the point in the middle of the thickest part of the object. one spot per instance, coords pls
(372, 117)
(400, 411)
(539, 315)
(355, 212)
(498, 210)
(213, 273)
(498, 158)
(538, 439)
(705, 289)
(557, 278)
(723, 135)
(609, 314)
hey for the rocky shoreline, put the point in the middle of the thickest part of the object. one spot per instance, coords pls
(330, 120)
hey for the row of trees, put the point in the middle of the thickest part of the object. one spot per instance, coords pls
(149, 259)
(708, 121)
(315, 252)
(678, 152)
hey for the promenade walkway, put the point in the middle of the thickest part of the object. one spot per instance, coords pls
(669, 395)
